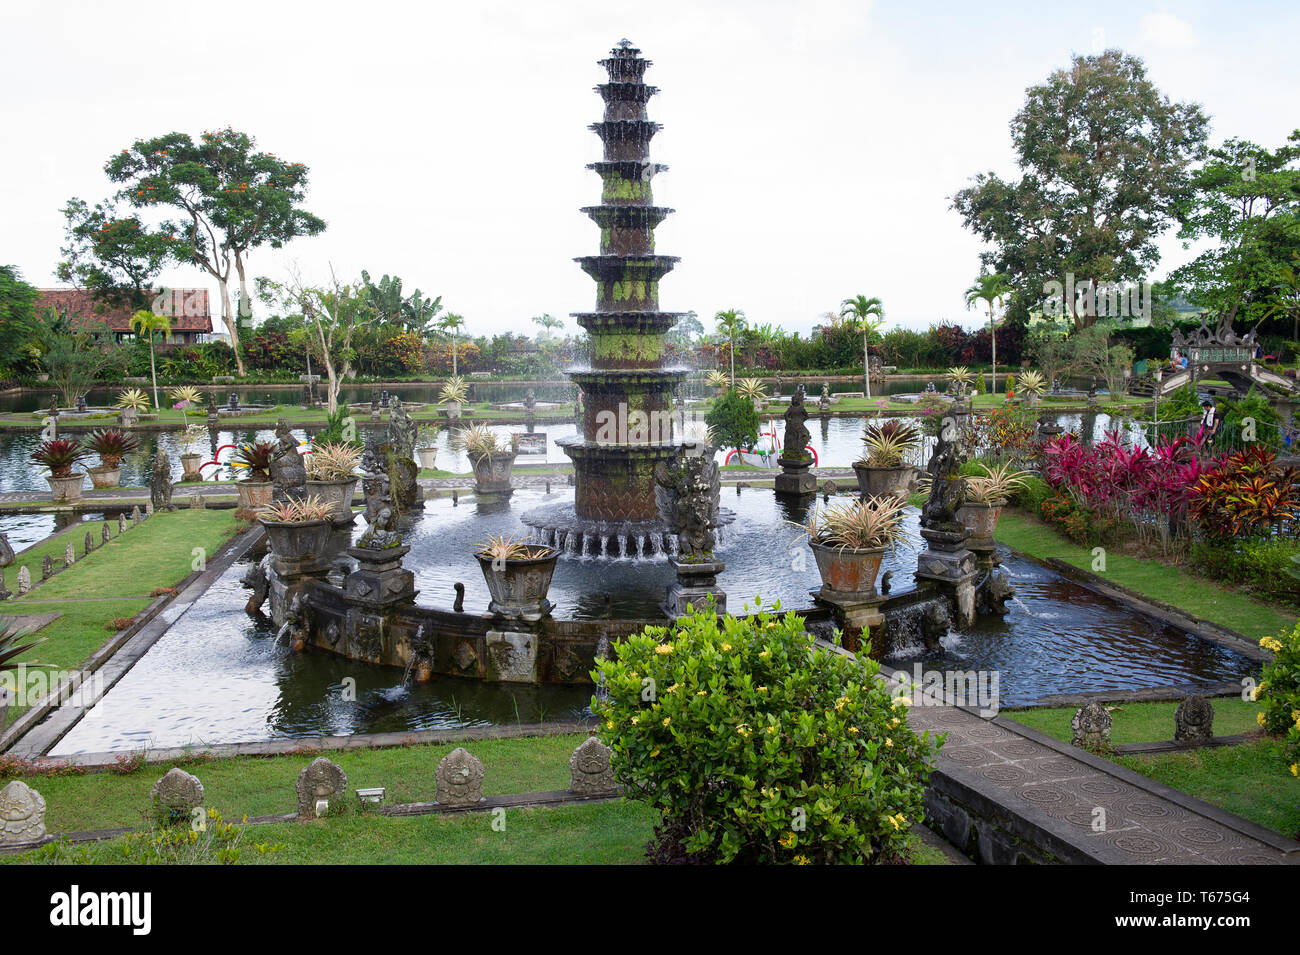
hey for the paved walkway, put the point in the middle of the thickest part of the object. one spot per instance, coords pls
(1053, 791)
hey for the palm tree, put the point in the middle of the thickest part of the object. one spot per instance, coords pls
(450, 323)
(150, 323)
(548, 324)
(731, 321)
(866, 315)
(991, 289)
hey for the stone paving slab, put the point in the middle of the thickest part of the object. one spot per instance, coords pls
(1055, 791)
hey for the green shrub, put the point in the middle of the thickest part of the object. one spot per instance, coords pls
(1263, 565)
(217, 842)
(981, 386)
(1031, 494)
(757, 746)
(1279, 688)
(1183, 403)
(733, 420)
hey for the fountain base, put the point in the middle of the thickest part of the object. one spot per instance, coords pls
(559, 526)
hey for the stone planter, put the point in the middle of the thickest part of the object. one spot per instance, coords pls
(191, 462)
(847, 571)
(67, 488)
(106, 475)
(874, 481)
(492, 473)
(338, 495)
(298, 544)
(980, 520)
(252, 495)
(518, 587)
(428, 458)
(451, 409)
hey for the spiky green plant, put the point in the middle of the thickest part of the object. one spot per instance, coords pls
(133, 398)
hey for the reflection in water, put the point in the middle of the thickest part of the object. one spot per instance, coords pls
(217, 677)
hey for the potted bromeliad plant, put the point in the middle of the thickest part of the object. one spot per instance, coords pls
(112, 445)
(252, 464)
(492, 456)
(426, 447)
(883, 468)
(849, 540)
(59, 455)
(1033, 385)
(453, 396)
(297, 530)
(518, 574)
(131, 403)
(331, 476)
(986, 495)
(752, 388)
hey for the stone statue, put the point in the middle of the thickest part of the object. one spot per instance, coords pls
(1194, 720)
(380, 514)
(947, 489)
(321, 780)
(22, 814)
(1090, 728)
(397, 455)
(288, 471)
(6, 551)
(160, 482)
(176, 794)
(530, 400)
(459, 779)
(590, 772)
(796, 438)
(688, 489)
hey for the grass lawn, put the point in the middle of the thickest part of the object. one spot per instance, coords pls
(1194, 595)
(610, 832)
(1141, 722)
(1250, 779)
(114, 580)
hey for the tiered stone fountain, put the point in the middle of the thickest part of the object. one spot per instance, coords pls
(626, 429)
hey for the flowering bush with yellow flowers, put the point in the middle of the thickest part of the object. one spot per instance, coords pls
(758, 746)
(1279, 691)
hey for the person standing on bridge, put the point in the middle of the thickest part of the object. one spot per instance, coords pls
(1211, 424)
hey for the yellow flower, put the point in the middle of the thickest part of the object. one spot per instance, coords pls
(654, 752)
(771, 729)
(1259, 718)
(853, 729)
(671, 688)
(901, 701)
(802, 860)
(1295, 769)
(762, 689)
(726, 647)
(898, 820)
(893, 724)
(789, 840)
(635, 720)
(664, 649)
(765, 654)
(667, 720)
(702, 693)
(609, 724)
(888, 741)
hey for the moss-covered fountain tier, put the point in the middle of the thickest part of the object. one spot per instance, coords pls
(627, 392)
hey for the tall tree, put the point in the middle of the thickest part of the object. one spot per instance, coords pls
(547, 324)
(147, 324)
(412, 312)
(867, 316)
(732, 322)
(993, 291)
(116, 257)
(230, 199)
(1104, 162)
(334, 313)
(451, 323)
(1247, 201)
(18, 320)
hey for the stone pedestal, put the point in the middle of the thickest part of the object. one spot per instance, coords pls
(948, 562)
(796, 478)
(859, 617)
(379, 581)
(696, 582)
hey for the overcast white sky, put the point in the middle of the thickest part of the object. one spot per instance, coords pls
(813, 146)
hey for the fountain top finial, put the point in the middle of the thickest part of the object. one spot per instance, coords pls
(624, 47)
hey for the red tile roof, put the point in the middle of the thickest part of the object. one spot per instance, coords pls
(188, 308)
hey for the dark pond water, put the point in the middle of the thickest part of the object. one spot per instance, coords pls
(218, 676)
